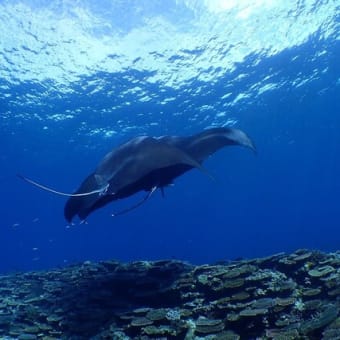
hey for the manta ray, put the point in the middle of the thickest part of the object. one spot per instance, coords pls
(145, 164)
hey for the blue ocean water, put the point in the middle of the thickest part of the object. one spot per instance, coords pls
(80, 77)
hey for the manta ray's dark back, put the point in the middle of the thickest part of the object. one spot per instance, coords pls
(147, 163)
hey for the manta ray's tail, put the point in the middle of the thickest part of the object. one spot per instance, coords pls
(43, 187)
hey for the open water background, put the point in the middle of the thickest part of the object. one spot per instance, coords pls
(77, 78)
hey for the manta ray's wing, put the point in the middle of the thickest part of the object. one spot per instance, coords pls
(76, 203)
(204, 144)
(140, 157)
(126, 167)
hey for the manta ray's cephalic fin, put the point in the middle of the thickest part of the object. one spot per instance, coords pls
(138, 204)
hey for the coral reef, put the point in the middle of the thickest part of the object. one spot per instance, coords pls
(284, 296)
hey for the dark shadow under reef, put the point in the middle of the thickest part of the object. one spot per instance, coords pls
(284, 296)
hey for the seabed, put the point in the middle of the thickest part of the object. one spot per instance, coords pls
(284, 296)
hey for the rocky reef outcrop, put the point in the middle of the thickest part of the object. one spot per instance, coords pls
(284, 296)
